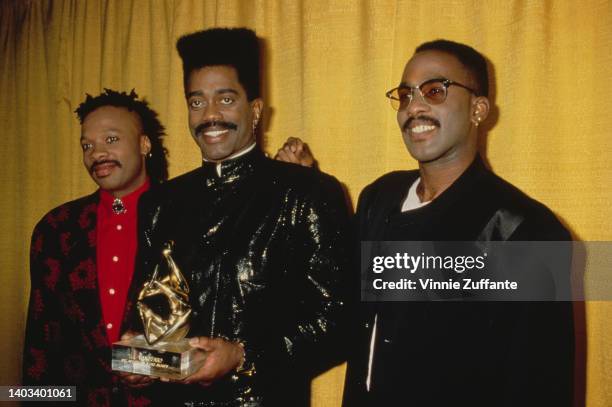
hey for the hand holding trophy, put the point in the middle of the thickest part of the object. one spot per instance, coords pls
(163, 351)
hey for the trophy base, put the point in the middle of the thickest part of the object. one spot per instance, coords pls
(172, 360)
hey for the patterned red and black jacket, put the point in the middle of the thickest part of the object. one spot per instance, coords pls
(65, 340)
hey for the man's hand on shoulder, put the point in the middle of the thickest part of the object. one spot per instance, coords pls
(223, 357)
(295, 151)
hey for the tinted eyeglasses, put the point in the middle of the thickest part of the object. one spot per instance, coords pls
(433, 91)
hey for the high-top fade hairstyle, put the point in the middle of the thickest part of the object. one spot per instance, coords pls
(468, 56)
(234, 47)
(157, 162)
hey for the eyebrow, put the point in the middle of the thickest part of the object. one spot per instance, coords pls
(110, 130)
(217, 92)
(437, 78)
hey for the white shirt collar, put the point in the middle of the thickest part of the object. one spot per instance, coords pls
(231, 157)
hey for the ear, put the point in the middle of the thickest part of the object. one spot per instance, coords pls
(257, 109)
(480, 109)
(145, 144)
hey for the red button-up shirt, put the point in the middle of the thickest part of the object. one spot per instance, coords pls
(116, 251)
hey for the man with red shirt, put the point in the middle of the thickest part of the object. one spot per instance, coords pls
(82, 255)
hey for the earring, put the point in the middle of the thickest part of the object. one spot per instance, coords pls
(255, 122)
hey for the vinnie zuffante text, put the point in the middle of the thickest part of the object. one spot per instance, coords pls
(405, 262)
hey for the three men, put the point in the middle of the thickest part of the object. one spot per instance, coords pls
(262, 243)
(82, 253)
(455, 353)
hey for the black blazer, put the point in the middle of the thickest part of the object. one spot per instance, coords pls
(460, 353)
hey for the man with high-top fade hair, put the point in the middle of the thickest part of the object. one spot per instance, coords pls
(261, 242)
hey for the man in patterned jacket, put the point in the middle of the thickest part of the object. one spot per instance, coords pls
(82, 255)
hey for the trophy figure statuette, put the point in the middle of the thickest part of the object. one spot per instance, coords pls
(163, 305)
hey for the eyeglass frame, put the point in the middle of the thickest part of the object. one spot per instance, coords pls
(445, 83)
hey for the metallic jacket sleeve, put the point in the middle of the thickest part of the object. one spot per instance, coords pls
(318, 279)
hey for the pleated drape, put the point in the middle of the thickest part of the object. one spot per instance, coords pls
(327, 66)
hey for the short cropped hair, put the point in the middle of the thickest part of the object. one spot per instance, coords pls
(234, 47)
(157, 162)
(473, 60)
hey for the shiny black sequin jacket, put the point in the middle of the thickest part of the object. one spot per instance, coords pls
(264, 248)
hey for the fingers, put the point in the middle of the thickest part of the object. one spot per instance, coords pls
(128, 335)
(294, 143)
(285, 154)
(305, 156)
(223, 357)
(288, 151)
(202, 377)
(295, 151)
(203, 342)
(205, 375)
(135, 380)
(293, 146)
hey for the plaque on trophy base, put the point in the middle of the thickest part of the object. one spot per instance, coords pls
(173, 360)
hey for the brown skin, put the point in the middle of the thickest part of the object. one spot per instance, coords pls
(223, 357)
(445, 152)
(214, 95)
(295, 151)
(114, 149)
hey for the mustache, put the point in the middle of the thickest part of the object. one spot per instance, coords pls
(93, 166)
(428, 119)
(215, 123)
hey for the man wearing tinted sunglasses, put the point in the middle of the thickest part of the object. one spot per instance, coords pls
(455, 353)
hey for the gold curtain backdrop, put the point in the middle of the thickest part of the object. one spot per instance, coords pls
(327, 65)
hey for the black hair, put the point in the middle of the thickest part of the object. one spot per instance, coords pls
(156, 162)
(234, 47)
(473, 60)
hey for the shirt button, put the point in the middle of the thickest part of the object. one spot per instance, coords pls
(111, 291)
(109, 326)
(119, 227)
(115, 259)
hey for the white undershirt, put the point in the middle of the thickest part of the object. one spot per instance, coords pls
(411, 202)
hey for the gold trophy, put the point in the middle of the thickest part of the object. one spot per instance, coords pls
(163, 351)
